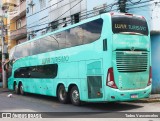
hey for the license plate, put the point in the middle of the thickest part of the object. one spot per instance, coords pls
(134, 96)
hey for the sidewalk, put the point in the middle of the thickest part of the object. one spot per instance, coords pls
(152, 98)
(3, 90)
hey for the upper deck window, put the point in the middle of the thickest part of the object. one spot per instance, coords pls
(79, 35)
(129, 24)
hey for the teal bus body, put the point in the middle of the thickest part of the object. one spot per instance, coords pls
(87, 66)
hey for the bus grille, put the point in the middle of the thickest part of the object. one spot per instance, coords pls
(131, 62)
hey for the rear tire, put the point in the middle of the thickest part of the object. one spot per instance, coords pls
(62, 94)
(21, 89)
(16, 89)
(75, 97)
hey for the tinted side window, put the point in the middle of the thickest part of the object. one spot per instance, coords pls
(47, 44)
(92, 31)
(61, 39)
(35, 47)
(74, 36)
(84, 34)
(22, 51)
(18, 52)
(42, 71)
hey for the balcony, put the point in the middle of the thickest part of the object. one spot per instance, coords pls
(9, 2)
(5, 21)
(21, 11)
(18, 34)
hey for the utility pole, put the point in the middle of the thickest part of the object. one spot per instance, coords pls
(3, 54)
(122, 5)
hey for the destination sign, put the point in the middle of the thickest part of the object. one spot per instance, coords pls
(129, 24)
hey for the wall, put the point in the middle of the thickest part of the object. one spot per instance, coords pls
(66, 8)
(59, 9)
(35, 21)
(155, 46)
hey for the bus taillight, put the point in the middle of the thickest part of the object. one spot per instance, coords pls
(150, 76)
(110, 79)
(128, 14)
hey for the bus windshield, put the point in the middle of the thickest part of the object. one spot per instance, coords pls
(129, 24)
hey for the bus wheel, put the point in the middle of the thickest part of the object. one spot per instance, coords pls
(16, 89)
(21, 89)
(62, 94)
(74, 95)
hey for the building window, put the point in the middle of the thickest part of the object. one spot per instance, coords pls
(64, 22)
(42, 4)
(75, 18)
(54, 25)
(19, 24)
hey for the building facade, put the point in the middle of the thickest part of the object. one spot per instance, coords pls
(16, 22)
(17, 17)
(48, 15)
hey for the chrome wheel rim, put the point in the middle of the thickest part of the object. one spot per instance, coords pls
(62, 94)
(75, 96)
(16, 88)
(21, 89)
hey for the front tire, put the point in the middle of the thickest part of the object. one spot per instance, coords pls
(62, 94)
(75, 97)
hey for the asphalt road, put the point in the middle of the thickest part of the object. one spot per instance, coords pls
(39, 103)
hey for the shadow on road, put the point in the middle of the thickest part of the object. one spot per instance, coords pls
(51, 107)
(112, 106)
(102, 107)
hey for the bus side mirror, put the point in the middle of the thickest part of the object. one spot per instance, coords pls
(104, 44)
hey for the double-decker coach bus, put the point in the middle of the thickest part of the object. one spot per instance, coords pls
(100, 59)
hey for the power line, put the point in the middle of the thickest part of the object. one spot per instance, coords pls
(134, 2)
(45, 8)
(110, 5)
(78, 3)
(48, 23)
(41, 11)
(58, 16)
(36, 12)
(49, 7)
(140, 2)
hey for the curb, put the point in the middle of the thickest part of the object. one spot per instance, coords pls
(149, 100)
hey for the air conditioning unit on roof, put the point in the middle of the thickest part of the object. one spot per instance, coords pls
(100, 9)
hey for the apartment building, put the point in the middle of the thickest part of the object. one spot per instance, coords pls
(17, 17)
(16, 22)
(46, 15)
